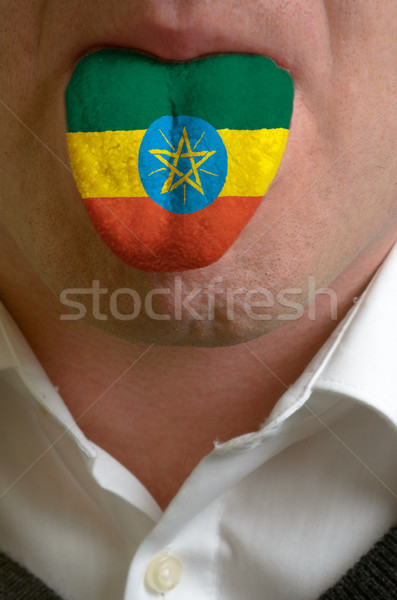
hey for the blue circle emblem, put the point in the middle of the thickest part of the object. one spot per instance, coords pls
(182, 163)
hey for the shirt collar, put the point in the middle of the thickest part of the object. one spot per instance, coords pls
(17, 358)
(358, 359)
(361, 362)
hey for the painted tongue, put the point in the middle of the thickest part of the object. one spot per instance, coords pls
(172, 158)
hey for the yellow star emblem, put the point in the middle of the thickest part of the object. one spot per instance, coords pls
(184, 178)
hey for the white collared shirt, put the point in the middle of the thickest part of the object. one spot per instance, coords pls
(277, 514)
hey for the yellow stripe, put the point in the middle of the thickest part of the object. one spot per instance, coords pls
(105, 164)
(253, 159)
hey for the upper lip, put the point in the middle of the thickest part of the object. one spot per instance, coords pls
(193, 36)
(294, 35)
(179, 42)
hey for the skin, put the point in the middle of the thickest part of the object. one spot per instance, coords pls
(330, 215)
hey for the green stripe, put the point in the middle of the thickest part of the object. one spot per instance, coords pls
(121, 90)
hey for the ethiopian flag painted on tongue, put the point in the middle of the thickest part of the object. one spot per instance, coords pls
(172, 158)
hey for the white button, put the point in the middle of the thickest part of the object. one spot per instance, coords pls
(163, 573)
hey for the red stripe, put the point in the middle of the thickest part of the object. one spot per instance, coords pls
(148, 237)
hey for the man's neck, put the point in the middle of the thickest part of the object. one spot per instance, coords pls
(158, 410)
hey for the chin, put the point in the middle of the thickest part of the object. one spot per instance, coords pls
(204, 321)
(192, 333)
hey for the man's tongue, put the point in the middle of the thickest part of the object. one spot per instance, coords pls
(172, 159)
